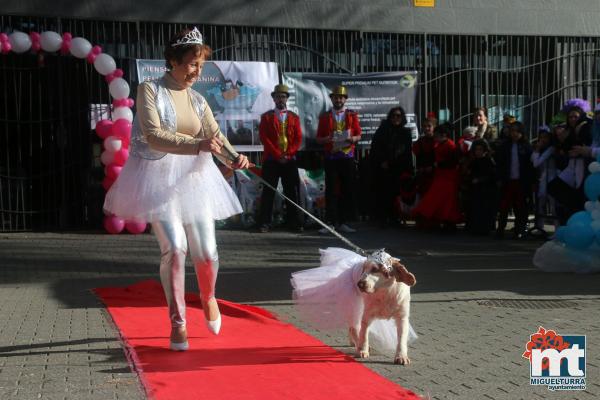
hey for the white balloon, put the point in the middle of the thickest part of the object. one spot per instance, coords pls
(20, 42)
(122, 113)
(112, 144)
(107, 157)
(594, 167)
(596, 215)
(589, 206)
(595, 225)
(119, 88)
(50, 41)
(104, 64)
(80, 47)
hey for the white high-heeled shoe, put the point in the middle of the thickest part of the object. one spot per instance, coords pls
(214, 326)
(183, 346)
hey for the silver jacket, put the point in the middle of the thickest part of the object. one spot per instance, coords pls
(139, 146)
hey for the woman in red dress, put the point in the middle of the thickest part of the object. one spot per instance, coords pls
(439, 205)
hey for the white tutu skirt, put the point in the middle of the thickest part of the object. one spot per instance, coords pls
(554, 256)
(327, 298)
(174, 188)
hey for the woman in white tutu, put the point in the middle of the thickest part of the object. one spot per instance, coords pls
(171, 181)
(328, 298)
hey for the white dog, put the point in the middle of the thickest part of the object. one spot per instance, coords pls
(385, 286)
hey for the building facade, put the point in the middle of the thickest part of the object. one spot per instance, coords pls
(519, 57)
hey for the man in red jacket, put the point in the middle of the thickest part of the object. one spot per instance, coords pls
(338, 132)
(281, 136)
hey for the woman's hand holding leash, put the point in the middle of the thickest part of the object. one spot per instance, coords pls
(242, 162)
(212, 145)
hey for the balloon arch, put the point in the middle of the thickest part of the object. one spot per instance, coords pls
(115, 132)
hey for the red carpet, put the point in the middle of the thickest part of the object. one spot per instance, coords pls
(254, 357)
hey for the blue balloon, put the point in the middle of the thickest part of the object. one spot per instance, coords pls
(579, 236)
(591, 186)
(580, 218)
(560, 233)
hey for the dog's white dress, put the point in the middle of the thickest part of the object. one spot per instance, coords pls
(328, 298)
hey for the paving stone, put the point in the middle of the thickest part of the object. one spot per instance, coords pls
(58, 342)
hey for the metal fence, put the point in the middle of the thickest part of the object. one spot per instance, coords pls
(49, 174)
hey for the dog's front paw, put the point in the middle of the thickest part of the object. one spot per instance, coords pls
(362, 354)
(402, 360)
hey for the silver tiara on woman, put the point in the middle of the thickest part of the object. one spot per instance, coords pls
(192, 37)
(382, 258)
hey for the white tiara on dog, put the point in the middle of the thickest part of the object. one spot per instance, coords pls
(192, 37)
(381, 257)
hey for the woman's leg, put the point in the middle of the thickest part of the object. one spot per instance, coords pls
(203, 250)
(173, 247)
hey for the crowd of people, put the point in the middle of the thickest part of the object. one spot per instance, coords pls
(445, 178)
(483, 176)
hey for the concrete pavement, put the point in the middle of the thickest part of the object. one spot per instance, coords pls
(476, 302)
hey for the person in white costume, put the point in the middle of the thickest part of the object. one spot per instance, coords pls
(328, 297)
(171, 181)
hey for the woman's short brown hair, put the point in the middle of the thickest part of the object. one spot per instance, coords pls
(177, 53)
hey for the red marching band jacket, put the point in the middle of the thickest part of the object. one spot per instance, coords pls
(269, 129)
(327, 126)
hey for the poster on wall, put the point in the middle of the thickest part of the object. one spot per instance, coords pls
(370, 95)
(237, 92)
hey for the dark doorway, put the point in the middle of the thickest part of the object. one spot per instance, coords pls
(46, 159)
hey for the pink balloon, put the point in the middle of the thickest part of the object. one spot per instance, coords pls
(6, 47)
(66, 43)
(123, 102)
(125, 142)
(35, 42)
(135, 227)
(107, 183)
(96, 50)
(112, 171)
(122, 128)
(109, 78)
(91, 58)
(104, 128)
(121, 156)
(113, 224)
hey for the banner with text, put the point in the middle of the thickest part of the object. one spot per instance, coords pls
(237, 92)
(371, 95)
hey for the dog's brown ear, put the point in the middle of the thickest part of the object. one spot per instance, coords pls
(402, 274)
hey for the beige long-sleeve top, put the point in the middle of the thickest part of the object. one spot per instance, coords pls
(190, 131)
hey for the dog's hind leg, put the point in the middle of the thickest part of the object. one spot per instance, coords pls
(353, 336)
